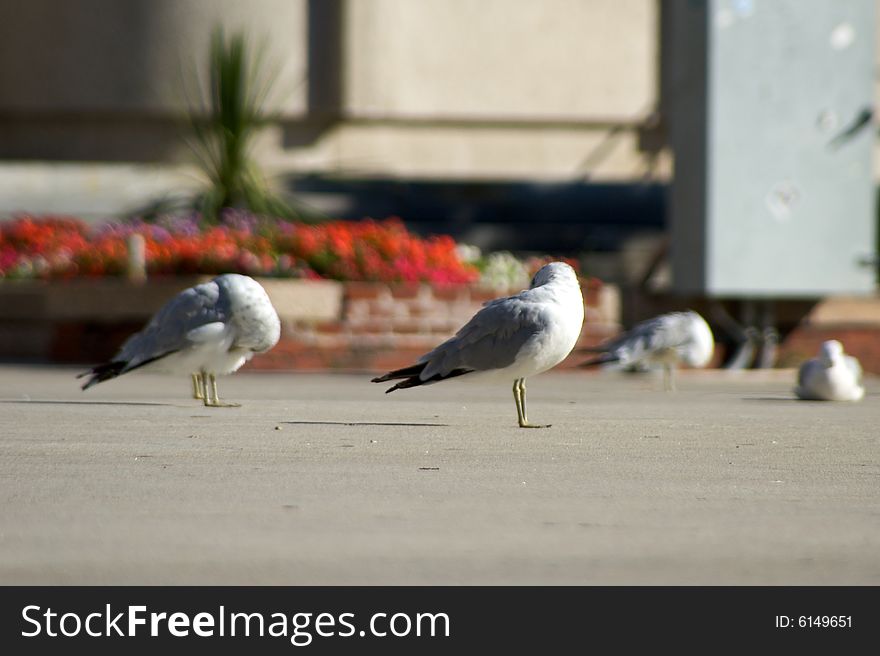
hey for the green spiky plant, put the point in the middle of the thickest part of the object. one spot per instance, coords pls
(223, 128)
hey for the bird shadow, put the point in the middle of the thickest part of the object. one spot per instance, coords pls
(361, 423)
(61, 402)
(772, 398)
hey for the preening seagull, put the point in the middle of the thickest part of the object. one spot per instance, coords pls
(833, 376)
(668, 340)
(207, 330)
(509, 339)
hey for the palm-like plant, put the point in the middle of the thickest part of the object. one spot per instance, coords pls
(224, 126)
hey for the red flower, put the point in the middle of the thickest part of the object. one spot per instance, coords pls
(58, 247)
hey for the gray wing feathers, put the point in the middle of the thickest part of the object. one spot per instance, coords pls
(855, 368)
(664, 332)
(168, 330)
(490, 340)
(803, 372)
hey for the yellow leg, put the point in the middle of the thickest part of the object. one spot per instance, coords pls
(212, 398)
(518, 401)
(519, 396)
(198, 386)
(668, 378)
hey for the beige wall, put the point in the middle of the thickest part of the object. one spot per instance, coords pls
(431, 88)
(501, 59)
(108, 80)
(493, 89)
(129, 56)
(516, 89)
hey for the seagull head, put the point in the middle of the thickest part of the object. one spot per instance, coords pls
(553, 272)
(700, 343)
(830, 351)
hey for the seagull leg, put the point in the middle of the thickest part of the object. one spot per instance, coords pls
(519, 395)
(516, 399)
(668, 378)
(212, 398)
(198, 386)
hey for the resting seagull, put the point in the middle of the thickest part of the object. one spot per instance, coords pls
(510, 338)
(833, 376)
(205, 331)
(669, 340)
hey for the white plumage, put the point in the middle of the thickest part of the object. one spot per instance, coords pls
(509, 339)
(207, 330)
(669, 340)
(832, 376)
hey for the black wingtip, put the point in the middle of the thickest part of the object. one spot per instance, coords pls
(405, 372)
(590, 349)
(604, 358)
(417, 381)
(115, 368)
(101, 372)
(413, 381)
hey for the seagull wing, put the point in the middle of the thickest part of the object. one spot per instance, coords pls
(807, 376)
(652, 336)
(852, 364)
(194, 315)
(490, 340)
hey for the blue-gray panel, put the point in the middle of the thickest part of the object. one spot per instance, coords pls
(789, 203)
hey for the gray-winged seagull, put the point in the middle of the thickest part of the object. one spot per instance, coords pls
(833, 376)
(669, 340)
(509, 339)
(205, 331)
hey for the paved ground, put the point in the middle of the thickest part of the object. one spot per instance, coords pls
(322, 479)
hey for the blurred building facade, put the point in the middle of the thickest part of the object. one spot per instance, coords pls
(436, 88)
(508, 123)
(561, 90)
(464, 116)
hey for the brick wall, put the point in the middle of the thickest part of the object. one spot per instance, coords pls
(360, 326)
(386, 326)
(860, 341)
(325, 324)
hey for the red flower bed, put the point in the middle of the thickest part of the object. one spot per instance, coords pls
(59, 247)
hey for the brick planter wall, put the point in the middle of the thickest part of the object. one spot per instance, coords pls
(325, 324)
(859, 341)
(854, 321)
(803, 324)
(385, 326)
(352, 326)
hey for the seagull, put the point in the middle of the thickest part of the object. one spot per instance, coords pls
(669, 340)
(510, 338)
(833, 376)
(206, 330)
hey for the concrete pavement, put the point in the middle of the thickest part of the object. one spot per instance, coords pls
(323, 479)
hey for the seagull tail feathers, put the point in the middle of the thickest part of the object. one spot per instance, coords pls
(102, 372)
(592, 349)
(411, 377)
(406, 372)
(602, 358)
(114, 368)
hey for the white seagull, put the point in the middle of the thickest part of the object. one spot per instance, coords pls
(205, 331)
(668, 340)
(833, 376)
(509, 339)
